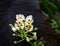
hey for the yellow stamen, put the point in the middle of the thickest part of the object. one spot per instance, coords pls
(29, 21)
(28, 27)
(19, 24)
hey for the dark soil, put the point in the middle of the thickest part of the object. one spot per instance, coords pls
(50, 38)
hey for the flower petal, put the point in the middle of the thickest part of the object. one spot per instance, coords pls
(20, 24)
(29, 19)
(20, 17)
(29, 28)
(14, 29)
(17, 28)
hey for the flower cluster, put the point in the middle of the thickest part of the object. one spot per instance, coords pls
(23, 28)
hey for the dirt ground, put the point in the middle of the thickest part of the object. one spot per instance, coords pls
(50, 38)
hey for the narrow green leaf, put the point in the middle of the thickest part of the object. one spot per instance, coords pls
(52, 5)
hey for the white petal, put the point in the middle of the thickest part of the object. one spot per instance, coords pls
(20, 17)
(29, 18)
(17, 16)
(28, 23)
(17, 28)
(17, 21)
(14, 29)
(22, 26)
(15, 25)
(31, 28)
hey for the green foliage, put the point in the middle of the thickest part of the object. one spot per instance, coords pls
(36, 44)
(49, 8)
(56, 2)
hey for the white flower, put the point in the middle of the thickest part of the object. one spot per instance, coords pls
(29, 28)
(20, 17)
(27, 39)
(15, 27)
(20, 24)
(29, 19)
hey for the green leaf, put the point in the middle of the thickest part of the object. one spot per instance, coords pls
(57, 4)
(46, 15)
(52, 16)
(51, 5)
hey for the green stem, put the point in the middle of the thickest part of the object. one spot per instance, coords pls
(35, 44)
(20, 41)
